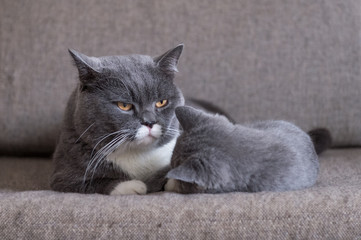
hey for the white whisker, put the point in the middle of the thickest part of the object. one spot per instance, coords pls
(171, 132)
(106, 136)
(104, 152)
(84, 132)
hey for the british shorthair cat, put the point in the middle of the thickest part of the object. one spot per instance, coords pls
(213, 155)
(119, 128)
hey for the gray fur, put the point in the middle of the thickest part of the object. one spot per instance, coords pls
(94, 126)
(213, 155)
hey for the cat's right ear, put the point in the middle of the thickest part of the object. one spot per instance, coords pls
(168, 61)
(86, 65)
(189, 117)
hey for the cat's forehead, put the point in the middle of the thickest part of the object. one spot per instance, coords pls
(130, 63)
(135, 76)
(133, 69)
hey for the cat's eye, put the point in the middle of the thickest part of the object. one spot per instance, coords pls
(125, 106)
(161, 103)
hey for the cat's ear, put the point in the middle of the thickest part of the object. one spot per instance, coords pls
(191, 171)
(189, 117)
(169, 60)
(86, 65)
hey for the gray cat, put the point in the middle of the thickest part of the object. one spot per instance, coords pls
(119, 128)
(213, 155)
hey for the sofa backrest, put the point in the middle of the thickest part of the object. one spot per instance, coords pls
(294, 60)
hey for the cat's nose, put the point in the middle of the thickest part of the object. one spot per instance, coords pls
(149, 123)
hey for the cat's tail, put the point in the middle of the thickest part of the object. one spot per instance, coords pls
(321, 138)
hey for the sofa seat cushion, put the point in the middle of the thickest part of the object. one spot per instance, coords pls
(329, 210)
(21, 174)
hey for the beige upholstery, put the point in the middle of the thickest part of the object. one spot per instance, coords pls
(259, 59)
(329, 210)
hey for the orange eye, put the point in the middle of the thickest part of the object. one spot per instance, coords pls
(125, 106)
(161, 103)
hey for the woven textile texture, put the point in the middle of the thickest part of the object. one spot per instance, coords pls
(292, 60)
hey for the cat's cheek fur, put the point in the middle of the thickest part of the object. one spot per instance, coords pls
(130, 187)
(156, 131)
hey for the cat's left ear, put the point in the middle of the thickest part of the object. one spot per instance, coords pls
(169, 60)
(86, 66)
(191, 171)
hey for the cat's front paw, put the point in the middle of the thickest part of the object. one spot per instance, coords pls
(130, 187)
(171, 185)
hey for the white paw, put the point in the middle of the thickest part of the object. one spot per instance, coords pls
(130, 187)
(170, 186)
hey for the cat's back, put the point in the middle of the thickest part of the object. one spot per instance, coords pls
(292, 154)
(279, 130)
(286, 137)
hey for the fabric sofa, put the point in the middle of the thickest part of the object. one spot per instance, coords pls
(294, 60)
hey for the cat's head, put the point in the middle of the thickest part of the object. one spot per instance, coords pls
(194, 162)
(126, 101)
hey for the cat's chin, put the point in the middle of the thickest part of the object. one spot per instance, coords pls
(146, 141)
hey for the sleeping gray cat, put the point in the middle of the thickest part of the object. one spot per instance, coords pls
(119, 128)
(213, 155)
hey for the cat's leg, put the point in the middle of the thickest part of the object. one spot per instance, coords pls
(155, 182)
(129, 187)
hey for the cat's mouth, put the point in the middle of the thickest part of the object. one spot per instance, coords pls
(148, 135)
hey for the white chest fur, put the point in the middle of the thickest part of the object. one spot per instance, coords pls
(141, 164)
